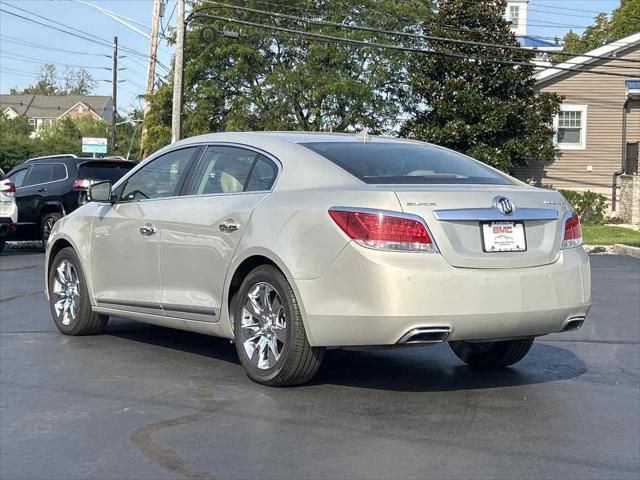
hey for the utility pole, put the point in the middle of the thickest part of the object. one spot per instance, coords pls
(151, 68)
(114, 95)
(178, 75)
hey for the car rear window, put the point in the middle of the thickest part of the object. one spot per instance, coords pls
(104, 171)
(406, 163)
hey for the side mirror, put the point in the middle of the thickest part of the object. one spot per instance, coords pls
(100, 192)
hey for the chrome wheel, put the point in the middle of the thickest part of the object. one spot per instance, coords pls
(65, 292)
(263, 326)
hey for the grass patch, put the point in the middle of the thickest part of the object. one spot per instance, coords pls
(608, 235)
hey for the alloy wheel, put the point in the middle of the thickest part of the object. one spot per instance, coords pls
(65, 292)
(263, 328)
(47, 228)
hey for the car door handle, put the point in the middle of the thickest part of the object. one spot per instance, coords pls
(148, 230)
(229, 227)
(42, 190)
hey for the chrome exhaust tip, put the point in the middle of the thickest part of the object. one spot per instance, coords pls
(573, 324)
(425, 335)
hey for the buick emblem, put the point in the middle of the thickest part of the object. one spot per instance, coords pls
(504, 205)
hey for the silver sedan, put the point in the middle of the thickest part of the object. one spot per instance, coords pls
(289, 243)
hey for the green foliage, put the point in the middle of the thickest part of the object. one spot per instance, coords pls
(265, 80)
(18, 141)
(624, 21)
(589, 205)
(15, 144)
(489, 111)
(74, 81)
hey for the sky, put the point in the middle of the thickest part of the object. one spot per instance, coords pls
(20, 63)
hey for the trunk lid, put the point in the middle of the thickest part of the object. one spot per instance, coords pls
(454, 214)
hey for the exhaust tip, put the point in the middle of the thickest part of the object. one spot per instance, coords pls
(573, 324)
(425, 335)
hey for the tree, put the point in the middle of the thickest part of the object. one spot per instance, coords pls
(264, 80)
(77, 82)
(487, 110)
(73, 82)
(624, 21)
(46, 84)
(15, 142)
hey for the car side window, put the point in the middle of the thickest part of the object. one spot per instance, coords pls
(263, 175)
(18, 177)
(39, 174)
(160, 178)
(221, 170)
(59, 172)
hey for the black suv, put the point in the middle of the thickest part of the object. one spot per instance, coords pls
(48, 188)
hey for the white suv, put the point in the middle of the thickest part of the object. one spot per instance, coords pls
(8, 209)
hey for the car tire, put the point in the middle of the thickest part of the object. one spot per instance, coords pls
(3, 242)
(269, 332)
(46, 225)
(487, 355)
(69, 298)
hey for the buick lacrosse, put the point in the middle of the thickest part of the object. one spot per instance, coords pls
(290, 243)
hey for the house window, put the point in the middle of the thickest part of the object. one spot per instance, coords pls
(514, 15)
(48, 121)
(32, 122)
(571, 127)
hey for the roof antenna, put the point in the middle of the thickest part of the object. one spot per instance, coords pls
(364, 135)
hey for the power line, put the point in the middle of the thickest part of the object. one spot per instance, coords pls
(403, 34)
(25, 43)
(22, 73)
(362, 43)
(565, 14)
(70, 30)
(31, 60)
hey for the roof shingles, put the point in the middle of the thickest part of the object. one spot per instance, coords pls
(53, 106)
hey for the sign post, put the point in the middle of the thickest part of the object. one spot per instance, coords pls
(94, 145)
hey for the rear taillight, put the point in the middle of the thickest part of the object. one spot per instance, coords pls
(572, 236)
(8, 187)
(384, 230)
(81, 183)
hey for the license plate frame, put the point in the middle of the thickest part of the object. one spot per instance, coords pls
(487, 239)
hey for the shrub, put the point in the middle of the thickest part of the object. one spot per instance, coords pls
(589, 205)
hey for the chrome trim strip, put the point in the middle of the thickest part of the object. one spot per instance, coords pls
(487, 214)
(392, 213)
(209, 311)
(129, 303)
(60, 155)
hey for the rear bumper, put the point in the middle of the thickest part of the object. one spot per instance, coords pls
(369, 297)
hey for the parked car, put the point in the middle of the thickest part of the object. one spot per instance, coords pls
(289, 243)
(8, 209)
(48, 188)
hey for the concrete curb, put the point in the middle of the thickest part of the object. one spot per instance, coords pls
(626, 250)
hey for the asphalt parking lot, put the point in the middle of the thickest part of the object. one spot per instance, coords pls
(148, 402)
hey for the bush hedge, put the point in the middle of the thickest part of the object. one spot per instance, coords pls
(589, 205)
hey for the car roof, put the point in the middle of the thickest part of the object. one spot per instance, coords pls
(295, 137)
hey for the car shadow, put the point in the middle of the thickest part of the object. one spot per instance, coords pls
(412, 369)
(437, 369)
(22, 248)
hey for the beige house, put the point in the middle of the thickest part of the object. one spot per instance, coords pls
(45, 109)
(598, 128)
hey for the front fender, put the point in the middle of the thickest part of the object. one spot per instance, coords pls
(74, 231)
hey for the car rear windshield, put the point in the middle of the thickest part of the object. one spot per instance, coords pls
(112, 171)
(406, 163)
